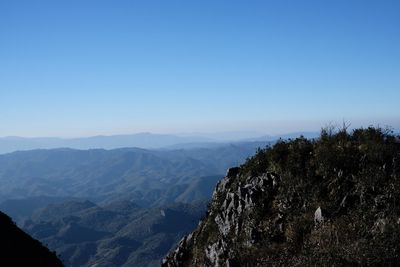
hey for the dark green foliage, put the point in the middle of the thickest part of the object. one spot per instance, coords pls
(365, 158)
(354, 177)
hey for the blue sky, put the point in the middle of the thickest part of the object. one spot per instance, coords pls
(77, 68)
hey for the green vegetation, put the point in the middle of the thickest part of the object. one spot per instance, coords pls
(363, 163)
(353, 178)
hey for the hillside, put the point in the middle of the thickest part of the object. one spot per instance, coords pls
(19, 249)
(70, 198)
(149, 177)
(333, 201)
(118, 234)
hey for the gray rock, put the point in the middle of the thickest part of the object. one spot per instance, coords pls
(318, 218)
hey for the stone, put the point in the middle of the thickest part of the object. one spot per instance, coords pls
(318, 218)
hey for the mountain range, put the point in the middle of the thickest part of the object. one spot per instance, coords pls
(139, 140)
(119, 207)
(148, 177)
(296, 202)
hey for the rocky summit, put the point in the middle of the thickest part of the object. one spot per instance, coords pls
(331, 201)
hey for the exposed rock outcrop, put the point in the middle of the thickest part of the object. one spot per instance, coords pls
(328, 202)
(318, 218)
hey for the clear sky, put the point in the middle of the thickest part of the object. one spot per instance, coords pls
(85, 67)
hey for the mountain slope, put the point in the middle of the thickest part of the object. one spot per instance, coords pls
(109, 175)
(20, 209)
(19, 249)
(327, 202)
(119, 234)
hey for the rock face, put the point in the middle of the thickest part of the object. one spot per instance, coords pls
(318, 218)
(297, 205)
(233, 221)
(18, 249)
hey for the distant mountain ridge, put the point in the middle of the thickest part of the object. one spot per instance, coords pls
(140, 140)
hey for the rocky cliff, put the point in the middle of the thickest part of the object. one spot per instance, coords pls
(333, 201)
(19, 249)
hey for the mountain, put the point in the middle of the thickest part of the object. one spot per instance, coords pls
(332, 201)
(19, 249)
(20, 209)
(113, 207)
(141, 140)
(118, 234)
(148, 177)
(121, 207)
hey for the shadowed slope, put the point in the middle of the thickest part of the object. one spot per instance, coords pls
(19, 249)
